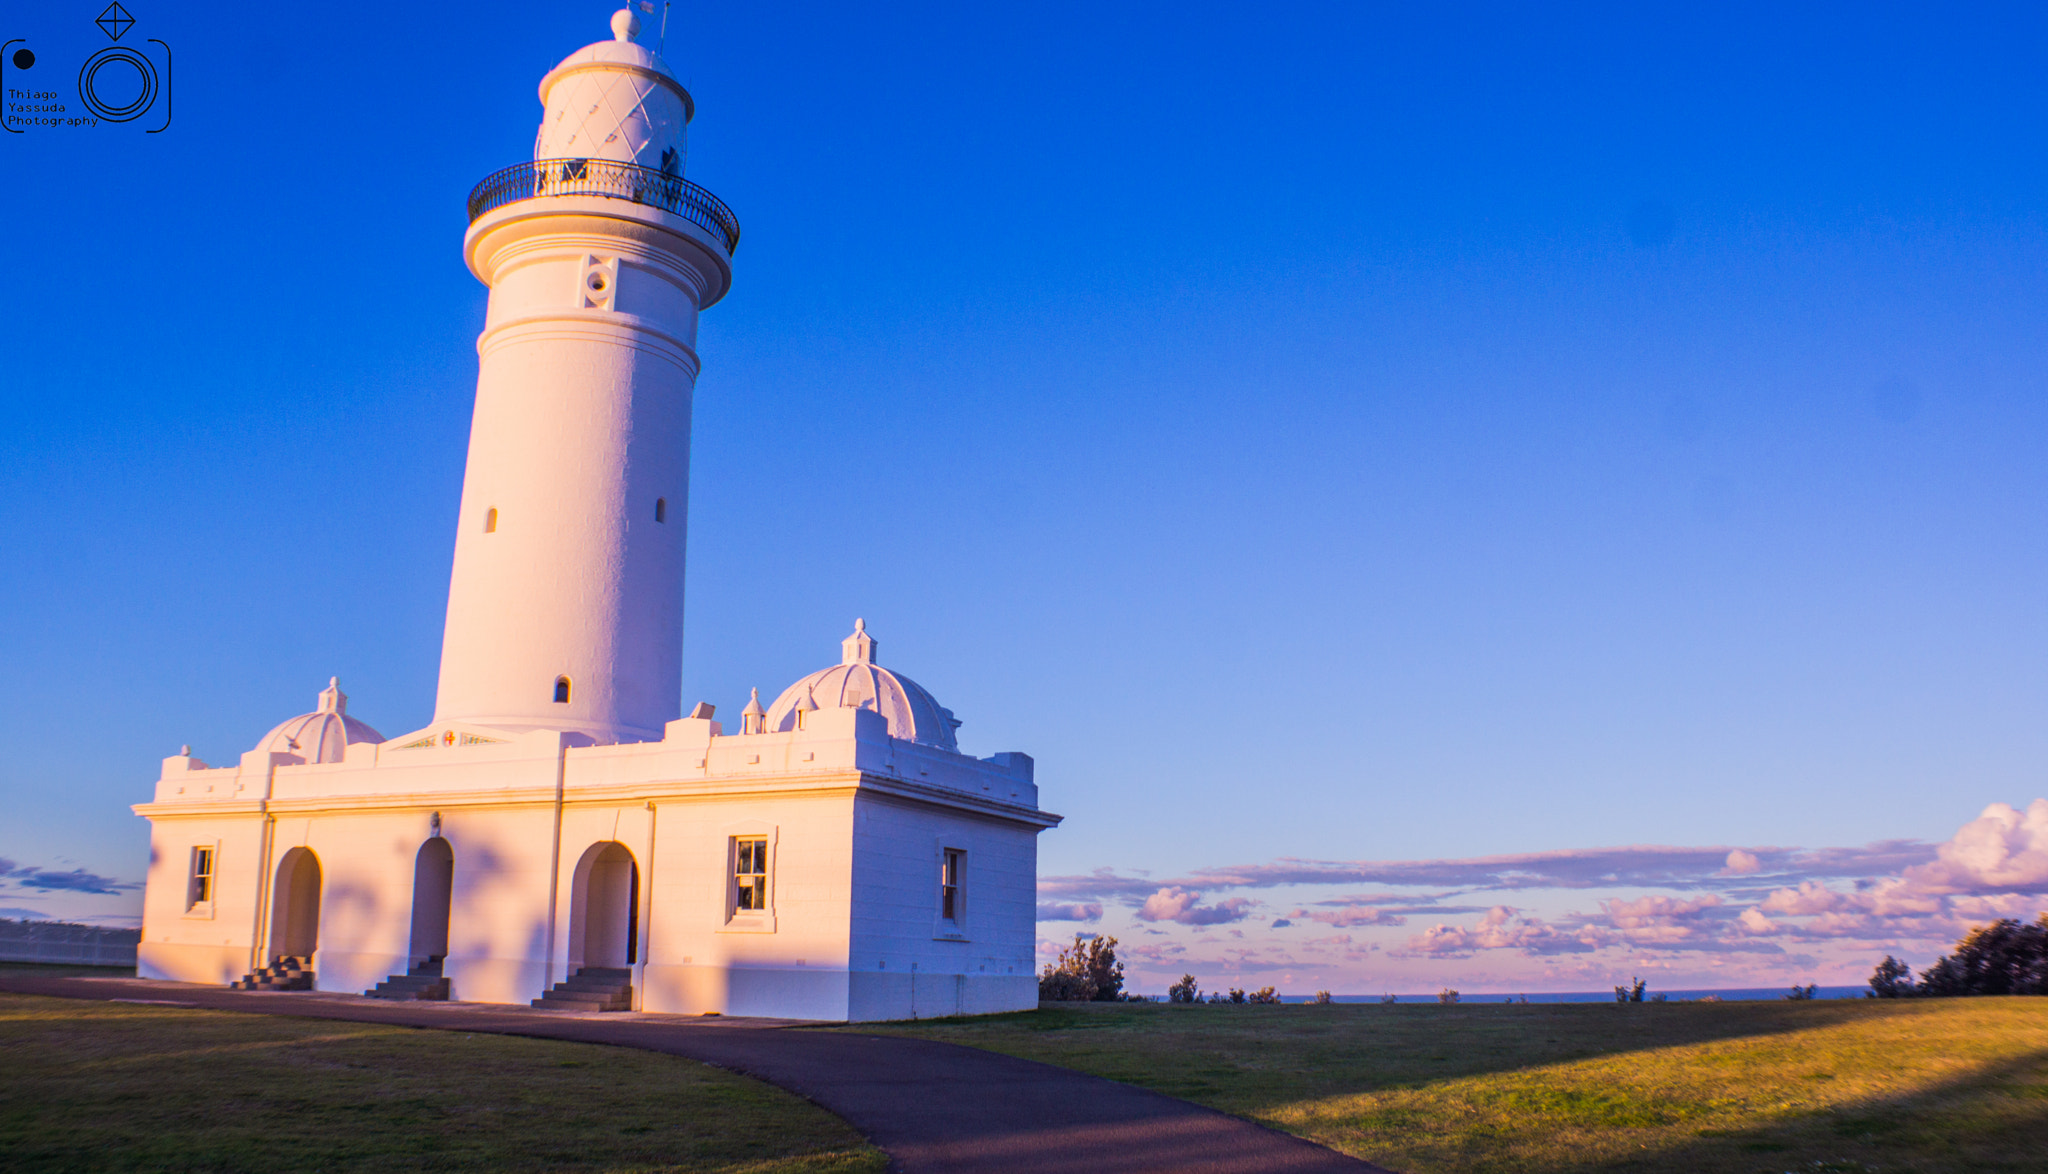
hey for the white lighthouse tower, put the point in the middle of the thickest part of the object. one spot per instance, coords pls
(565, 604)
(561, 835)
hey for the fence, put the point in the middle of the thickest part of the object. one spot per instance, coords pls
(613, 180)
(61, 941)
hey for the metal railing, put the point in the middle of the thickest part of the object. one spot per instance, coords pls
(604, 177)
(59, 941)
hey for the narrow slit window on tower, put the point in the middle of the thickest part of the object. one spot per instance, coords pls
(561, 690)
(491, 520)
(661, 509)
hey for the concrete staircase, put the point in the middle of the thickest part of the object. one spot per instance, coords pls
(285, 974)
(423, 981)
(594, 988)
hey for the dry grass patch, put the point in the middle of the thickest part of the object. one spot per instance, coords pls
(1937, 1086)
(110, 1086)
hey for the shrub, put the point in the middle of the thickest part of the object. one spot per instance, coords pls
(1630, 994)
(1385, 999)
(1087, 972)
(1322, 999)
(1263, 995)
(1447, 995)
(1184, 991)
(1808, 991)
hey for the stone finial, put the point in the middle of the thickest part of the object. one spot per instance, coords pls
(185, 751)
(332, 699)
(858, 648)
(624, 25)
(751, 717)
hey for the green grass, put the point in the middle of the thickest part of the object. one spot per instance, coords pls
(1735, 1088)
(92, 1086)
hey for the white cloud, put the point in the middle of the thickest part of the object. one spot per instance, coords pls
(2001, 850)
(1056, 911)
(1174, 903)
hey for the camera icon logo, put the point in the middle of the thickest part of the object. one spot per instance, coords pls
(117, 83)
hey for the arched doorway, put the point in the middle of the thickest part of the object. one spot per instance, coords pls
(295, 908)
(433, 889)
(602, 928)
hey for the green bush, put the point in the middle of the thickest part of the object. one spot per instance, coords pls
(1087, 972)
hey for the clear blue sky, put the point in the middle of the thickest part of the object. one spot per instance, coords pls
(1348, 432)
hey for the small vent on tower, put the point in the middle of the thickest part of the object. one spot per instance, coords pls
(599, 284)
(491, 520)
(561, 690)
(661, 509)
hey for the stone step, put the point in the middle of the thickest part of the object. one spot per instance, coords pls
(591, 988)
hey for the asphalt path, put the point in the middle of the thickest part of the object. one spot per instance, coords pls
(934, 1108)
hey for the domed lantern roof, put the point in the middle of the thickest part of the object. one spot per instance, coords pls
(615, 100)
(857, 682)
(323, 735)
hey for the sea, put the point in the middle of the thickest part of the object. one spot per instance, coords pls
(1724, 994)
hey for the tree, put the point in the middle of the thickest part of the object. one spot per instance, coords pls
(1892, 979)
(1630, 994)
(1087, 972)
(2007, 957)
(1802, 993)
(1184, 991)
(1447, 995)
(1263, 995)
(1322, 999)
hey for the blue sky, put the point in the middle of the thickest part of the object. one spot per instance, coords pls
(1346, 433)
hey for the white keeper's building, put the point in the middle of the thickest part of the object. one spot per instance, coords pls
(561, 821)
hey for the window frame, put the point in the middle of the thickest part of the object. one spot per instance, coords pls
(195, 905)
(732, 918)
(951, 857)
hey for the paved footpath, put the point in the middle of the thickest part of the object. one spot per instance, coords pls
(935, 1108)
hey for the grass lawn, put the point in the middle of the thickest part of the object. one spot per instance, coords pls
(117, 1086)
(1741, 1088)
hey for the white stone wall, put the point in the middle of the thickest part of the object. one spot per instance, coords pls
(856, 821)
(905, 962)
(209, 944)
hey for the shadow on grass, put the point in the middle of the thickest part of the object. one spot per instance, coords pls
(1991, 1120)
(1253, 1058)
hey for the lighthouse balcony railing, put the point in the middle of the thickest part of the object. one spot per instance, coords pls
(610, 179)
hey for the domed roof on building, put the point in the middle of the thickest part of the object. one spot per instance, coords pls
(857, 682)
(323, 735)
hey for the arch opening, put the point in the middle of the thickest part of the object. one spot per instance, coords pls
(561, 690)
(295, 907)
(433, 893)
(603, 908)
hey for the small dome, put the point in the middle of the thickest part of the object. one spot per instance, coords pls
(857, 682)
(323, 735)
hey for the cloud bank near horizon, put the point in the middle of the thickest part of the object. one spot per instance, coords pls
(1768, 905)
